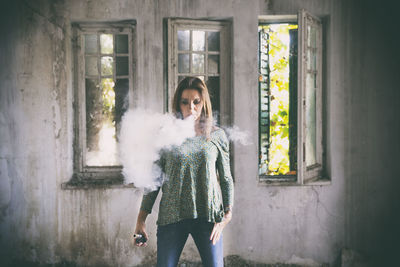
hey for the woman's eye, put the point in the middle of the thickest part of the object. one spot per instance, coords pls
(184, 102)
(196, 101)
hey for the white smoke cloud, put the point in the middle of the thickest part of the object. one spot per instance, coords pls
(236, 135)
(143, 135)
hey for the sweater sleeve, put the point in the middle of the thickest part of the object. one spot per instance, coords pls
(150, 197)
(224, 170)
(148, 200)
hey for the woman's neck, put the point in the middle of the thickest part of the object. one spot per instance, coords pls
(198, 128)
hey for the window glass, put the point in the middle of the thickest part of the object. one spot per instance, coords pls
(198, 63)
(106, 43)
(106, 65)
(213, 41)
(183, 40)
(180, 78)
(311, 59)
(122, 66)
(198, 40)
(121, 43)
(183, 63)
(90, 43)
(213, 64)
(311, 126)
(214, 91)
(121, 99)
(91, 67)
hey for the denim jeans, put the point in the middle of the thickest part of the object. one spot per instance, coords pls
(171, 239)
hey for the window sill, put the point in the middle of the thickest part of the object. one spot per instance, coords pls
(278, 181)
(95, 181)
(267, 181)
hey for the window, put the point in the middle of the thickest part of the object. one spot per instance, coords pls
(201, 48)
(290, 99)
(103, 64)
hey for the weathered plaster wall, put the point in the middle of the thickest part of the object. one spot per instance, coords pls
(372, 131)
(40, 222)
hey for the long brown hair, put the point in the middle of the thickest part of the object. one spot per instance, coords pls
(206, 117)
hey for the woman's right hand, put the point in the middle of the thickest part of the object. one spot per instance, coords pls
(141, 229)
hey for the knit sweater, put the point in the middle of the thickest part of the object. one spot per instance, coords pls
(192, 189)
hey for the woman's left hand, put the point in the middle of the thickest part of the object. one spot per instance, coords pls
(218, 227)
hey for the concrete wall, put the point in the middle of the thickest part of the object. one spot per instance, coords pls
(371, 131)
(40, 222)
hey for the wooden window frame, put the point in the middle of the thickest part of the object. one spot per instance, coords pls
(83, 175)
(312, 175)
(224, 27)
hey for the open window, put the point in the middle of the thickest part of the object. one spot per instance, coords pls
(291, 141)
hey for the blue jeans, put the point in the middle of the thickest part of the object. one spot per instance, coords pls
(171, 239)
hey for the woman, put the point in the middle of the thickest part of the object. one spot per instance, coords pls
(195, 199)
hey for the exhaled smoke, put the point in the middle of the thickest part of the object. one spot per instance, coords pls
(143, 135)
(238, 136)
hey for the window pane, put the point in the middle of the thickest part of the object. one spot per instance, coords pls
(313, 37)
(106, 66)
(180, 78)
(106, 43)
(183, 40)
(121, 98)
(198, 63)
(312, 33)
(121, 43)
(311, 81)
(91, 66)
(293, 100)
(183, 63)
(213, 64)
(213, 88)
(213, 41)
(311, 129)
(90, 43)
(311, 59)
(122, 66)
(198, 40)
(314, 60)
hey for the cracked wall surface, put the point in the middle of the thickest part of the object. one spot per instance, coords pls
(309, 225)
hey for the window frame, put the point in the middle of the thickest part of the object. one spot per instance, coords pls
(314, 172)
(224, 27)
(314, 175)
(83, 174)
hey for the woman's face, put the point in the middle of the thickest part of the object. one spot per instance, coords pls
(191, 104)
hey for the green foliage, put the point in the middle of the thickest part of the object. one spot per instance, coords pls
(107, 86)
(278, 153)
